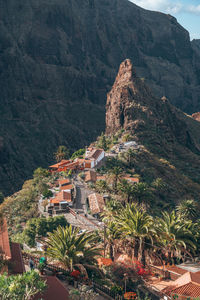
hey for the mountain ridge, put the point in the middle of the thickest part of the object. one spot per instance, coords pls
(58, 60)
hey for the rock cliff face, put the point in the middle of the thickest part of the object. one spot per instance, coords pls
(58, 59)
(196, 116)
(166, 132)
(132, 106)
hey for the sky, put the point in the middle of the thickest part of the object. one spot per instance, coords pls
(187, 12)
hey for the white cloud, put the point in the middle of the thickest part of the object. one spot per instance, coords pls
(194, 9)
(160, 5)
(167, 6)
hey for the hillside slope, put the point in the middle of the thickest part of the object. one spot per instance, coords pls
(171, 138)
(58, 59)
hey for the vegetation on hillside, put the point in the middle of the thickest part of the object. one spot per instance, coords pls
(21, 287)
(23, 205)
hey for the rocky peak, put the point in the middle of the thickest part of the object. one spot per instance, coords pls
(196, 116)
(132, 106)
(128, 91)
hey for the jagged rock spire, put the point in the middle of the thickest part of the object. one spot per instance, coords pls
(126, 88)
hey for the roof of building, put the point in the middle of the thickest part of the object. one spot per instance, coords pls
(17, 260)
(190, 266)
(55, 290)
(186, 285)
(67, 196)
(175, 269)
(61, 163)
(132, 179)
(64, 181)
(67, 187)
(90, 176)
(80, 160)
(4, 240)
(96, 203)
(190, 289)
(61, 196)
(94, 153)
(97, 153)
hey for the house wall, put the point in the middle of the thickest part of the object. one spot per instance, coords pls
(101, 156)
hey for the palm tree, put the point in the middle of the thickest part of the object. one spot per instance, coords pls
(115, 175)
(135, 223)
(110, 235)
(188, 209)
(128, 156)
(126, 189)
(141, 191)
(101, 186)
(112, 208)
(175, 235)
(70, 248)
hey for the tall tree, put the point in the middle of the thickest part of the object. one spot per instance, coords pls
(112, 208)
(175, 235)
(62, 153)
(141, 192)
(136, 224)
(126, 189)
(111, 235)
(115, 175)
(70, 248)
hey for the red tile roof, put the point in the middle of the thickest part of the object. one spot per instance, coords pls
(96, 203)
(190, 289)
(64, 181)
(187, 285)
(174, 269)
(67, 187)
(132, 179)
(67, 196)
(90, 176)
(61, 196)
(4, 240)
(55, 290)
(61, 163)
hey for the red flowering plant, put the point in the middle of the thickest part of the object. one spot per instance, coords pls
(75, 274)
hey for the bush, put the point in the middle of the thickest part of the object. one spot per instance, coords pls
(79, 153)
(47, 194)
(21, 287)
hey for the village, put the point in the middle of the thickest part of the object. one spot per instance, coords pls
(73, 195)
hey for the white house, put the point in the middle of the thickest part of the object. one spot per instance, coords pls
(94, 155)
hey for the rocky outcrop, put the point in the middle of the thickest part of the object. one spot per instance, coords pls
(132, 106)
(168, 134)
(58, 60)
(196, 116)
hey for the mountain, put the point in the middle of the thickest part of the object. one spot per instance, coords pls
(170, 137)
(58, 59)
(196, 45)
